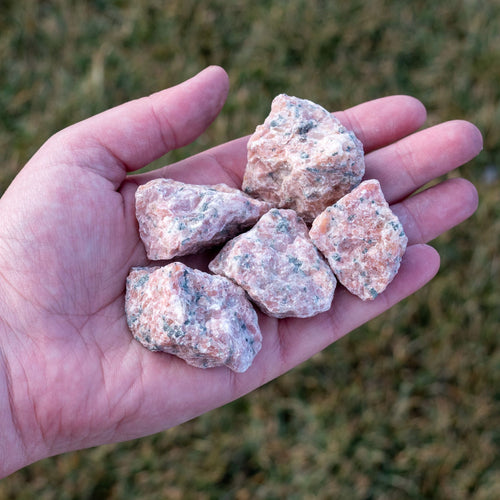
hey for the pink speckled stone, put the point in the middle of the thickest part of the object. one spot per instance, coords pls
(362, 239)
(279, 267)
(302, 158)
(204, 319)
(179, 219)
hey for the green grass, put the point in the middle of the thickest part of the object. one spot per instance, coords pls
(405, 407)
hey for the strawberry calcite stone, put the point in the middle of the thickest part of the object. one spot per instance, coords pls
(279, 267)
(362, 239)
(302, 158)
(204, 319)
(179, 219)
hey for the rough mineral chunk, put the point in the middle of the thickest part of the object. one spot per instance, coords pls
(178, 219)
(362, 239)
(302, 158)
(279, 267)
(204, 319)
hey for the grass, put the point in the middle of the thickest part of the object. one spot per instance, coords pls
(405, 407)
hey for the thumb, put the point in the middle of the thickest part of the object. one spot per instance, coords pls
(129, 136)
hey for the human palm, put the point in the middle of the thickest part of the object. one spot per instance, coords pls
(71, 376)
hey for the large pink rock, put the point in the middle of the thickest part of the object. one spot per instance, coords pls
(302, 158)
(362, 239)
(204, 319)
(179, 219)
(279, 267)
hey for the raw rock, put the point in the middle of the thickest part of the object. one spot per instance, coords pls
(362, 239)
(204, 319)
(279, 267)
(179, 219)
(302, 158)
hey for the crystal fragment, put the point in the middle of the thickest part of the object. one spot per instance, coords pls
(179, 219)
(302, 158)
(204, 319)
(362, 239)
(279, 267)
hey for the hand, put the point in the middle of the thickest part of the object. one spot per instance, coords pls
(71, 376)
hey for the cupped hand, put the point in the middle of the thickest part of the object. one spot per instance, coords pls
(71, 376)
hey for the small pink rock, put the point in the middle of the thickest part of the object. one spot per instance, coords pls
(204, 319)
(279, 267)
(178, 219)
(362, 239)
(302, 158)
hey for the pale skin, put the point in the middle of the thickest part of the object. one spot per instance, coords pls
(71, 376)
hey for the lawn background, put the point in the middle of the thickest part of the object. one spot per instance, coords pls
(406, 407)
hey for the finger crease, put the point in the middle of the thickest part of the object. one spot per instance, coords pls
(165, 129)
(411, 225)
(407, 161)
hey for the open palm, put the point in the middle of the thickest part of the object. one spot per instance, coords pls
(71, 376)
